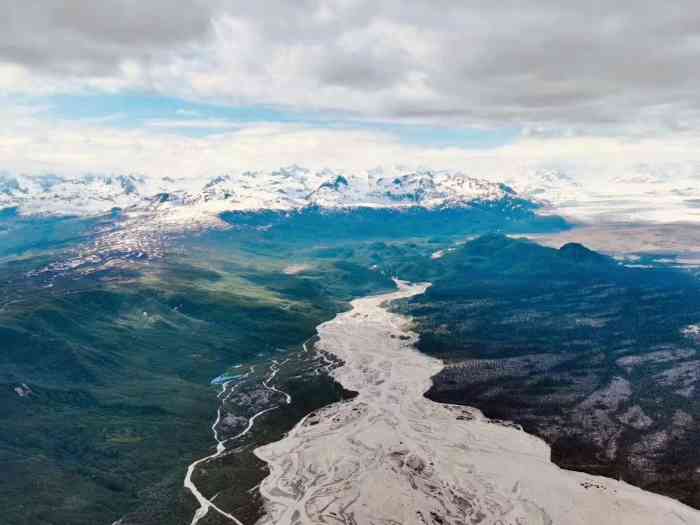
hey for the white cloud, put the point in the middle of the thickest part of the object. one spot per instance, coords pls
(32, 141)
(559, 65)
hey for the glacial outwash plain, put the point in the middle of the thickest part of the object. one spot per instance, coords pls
(389, 455)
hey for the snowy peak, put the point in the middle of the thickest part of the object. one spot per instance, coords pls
(338, 184)
(288, 188)
(655, 192)
(86, 195)
(440, 189)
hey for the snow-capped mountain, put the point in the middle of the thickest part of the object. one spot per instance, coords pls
(86, 195)
(584, 191)
(289, 188)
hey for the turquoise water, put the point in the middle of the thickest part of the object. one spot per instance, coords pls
(223, 378)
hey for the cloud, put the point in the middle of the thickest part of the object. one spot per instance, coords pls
(32, 141)
(622, 67)
(93, 38)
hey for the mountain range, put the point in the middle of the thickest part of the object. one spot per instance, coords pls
(285, 189)
(629, 192)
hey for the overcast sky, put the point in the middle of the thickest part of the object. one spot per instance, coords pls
(88, 85)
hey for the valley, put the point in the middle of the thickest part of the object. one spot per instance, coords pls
(144, 365)
(390, 455)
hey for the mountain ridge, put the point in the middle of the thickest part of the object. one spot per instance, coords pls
(286, 189)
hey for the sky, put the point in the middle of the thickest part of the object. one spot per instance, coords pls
(197, 87)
